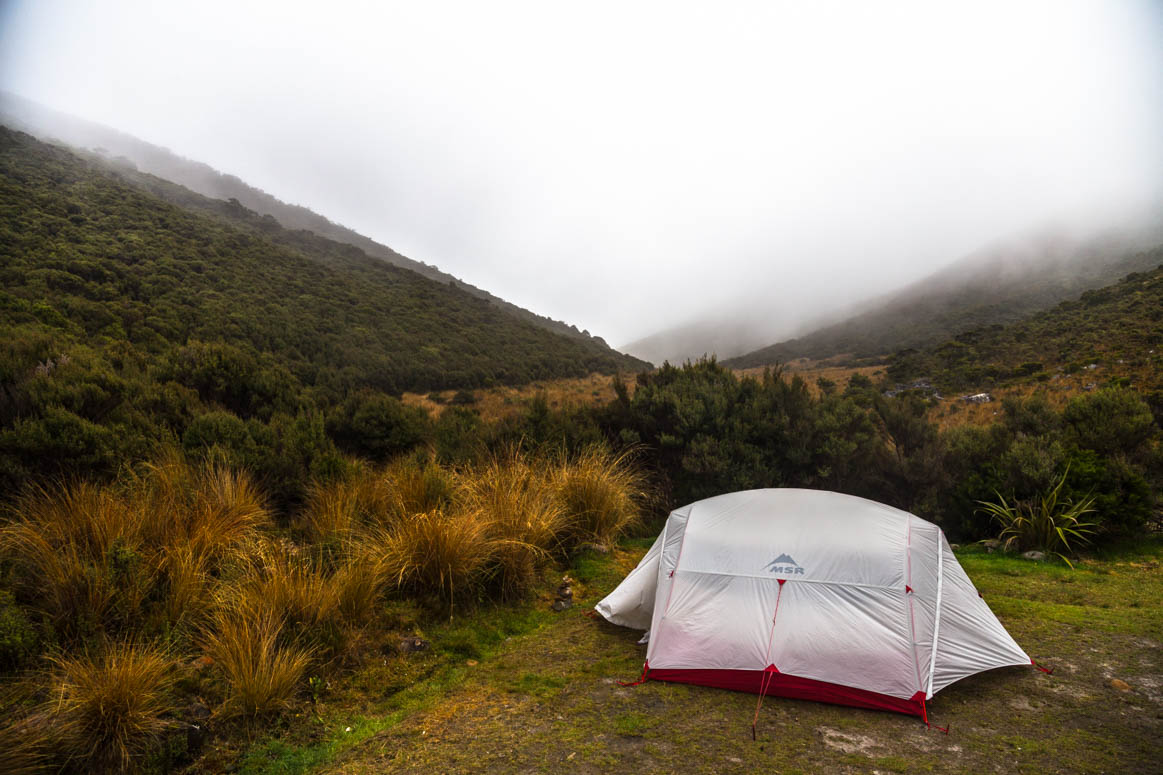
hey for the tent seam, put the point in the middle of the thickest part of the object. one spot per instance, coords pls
(909, 595)
(798, 580)
(937, 611)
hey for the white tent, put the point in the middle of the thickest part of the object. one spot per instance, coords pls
(809, 594)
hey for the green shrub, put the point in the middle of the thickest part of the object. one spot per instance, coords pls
(1048, 523)
(18, 638)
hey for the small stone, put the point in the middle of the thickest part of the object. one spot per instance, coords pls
(471, 662)
(1119, 685)
(954, 547)
(565, 592)
(198, 711)
(412, 645)
(593, 547)
(734, 760)
(561, 605)
(1033, 554)
(991, 543)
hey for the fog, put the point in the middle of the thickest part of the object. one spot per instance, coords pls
(630, 168)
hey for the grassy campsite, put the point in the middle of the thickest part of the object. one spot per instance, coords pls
(531, 690)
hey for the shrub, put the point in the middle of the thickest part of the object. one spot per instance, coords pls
(1110, 421)
(18, 639)
(110, 710)
(1047, 523)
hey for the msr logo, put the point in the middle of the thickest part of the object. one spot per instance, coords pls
(785, 564)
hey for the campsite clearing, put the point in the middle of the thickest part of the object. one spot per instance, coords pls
(545, 699)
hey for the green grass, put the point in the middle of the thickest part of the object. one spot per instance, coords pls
(542, 695)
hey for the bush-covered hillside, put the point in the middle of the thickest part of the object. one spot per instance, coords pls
(126, 320)
(130, 154)
(996, 288)
(1119, 325)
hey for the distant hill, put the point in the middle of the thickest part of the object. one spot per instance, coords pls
(721, 337)
(993, 287)
(1115, 329)
(125, 150)
(87, 253)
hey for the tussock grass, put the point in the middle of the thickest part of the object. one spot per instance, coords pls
(600, 492)
(262, 674)
(282, 579)
(417, 485)
(338, 509)
(439, 553)
(92, 558)
(25, 744)
(190, 553)
(514, 499)
(72, 548)
(358, 583)
(110, 709)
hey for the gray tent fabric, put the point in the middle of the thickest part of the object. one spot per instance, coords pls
(812, 585)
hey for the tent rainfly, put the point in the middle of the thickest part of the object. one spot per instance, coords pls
(812, 595)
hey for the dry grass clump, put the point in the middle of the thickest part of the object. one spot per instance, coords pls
(514, 498)
(601, 492)
(339, 509)
(437, 552)
(418, 486)
(190, 552)
(92, 557)
(25, 745)
(74, 550)
(262, 674)
(110, 709)
(371, 499)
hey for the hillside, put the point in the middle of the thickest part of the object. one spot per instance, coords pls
(127, 320)
(995, 287)
(128, 153)
(1116, 329)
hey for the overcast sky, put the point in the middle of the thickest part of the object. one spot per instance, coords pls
(625, 166)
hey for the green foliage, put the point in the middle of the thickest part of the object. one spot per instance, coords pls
(1049, 523)
(128, 322)
(1118, 322)
(377, 426)
(952, 323)
(18, 637)
(1111, 421)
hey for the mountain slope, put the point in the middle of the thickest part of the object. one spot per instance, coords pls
(85, 252)
(125, 151)
(998, 286)
(129, 324)
(1117, 328)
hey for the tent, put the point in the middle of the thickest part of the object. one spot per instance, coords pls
(809, 594)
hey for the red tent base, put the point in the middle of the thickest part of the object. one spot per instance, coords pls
(780, 685)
